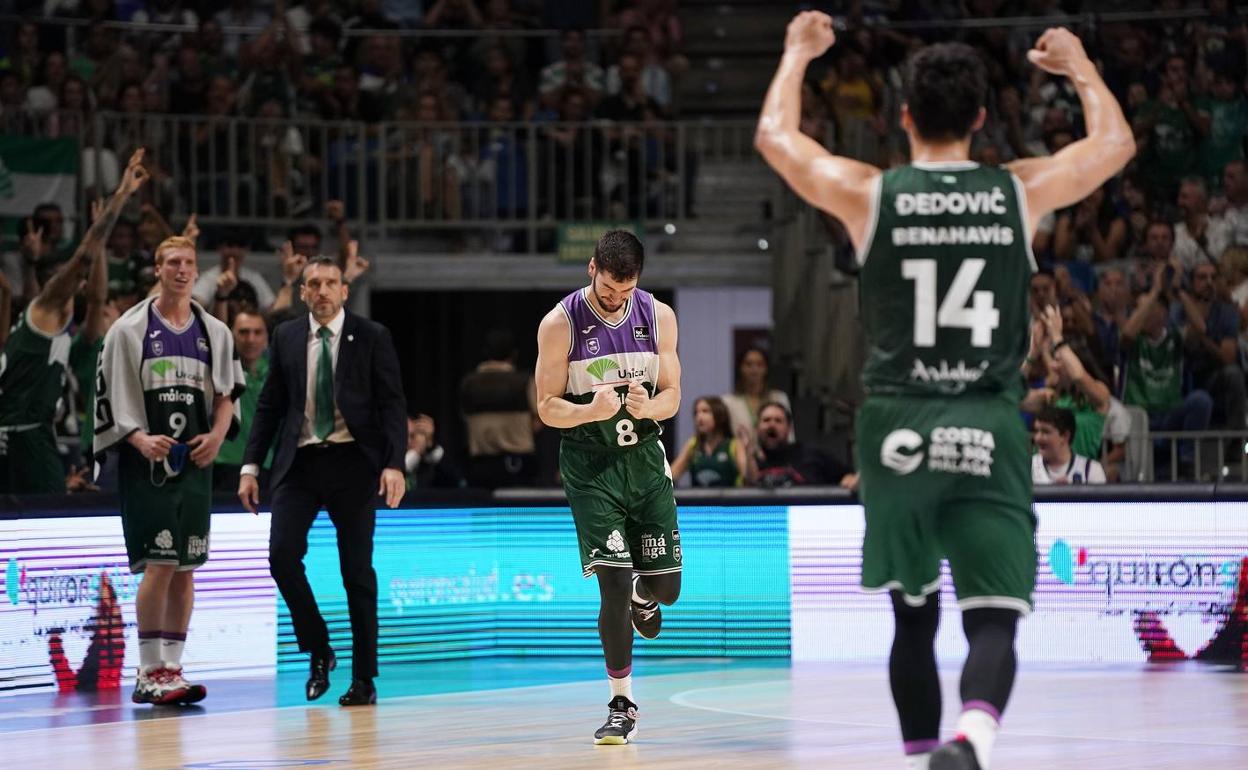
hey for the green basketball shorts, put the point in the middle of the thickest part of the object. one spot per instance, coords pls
(623, 506)
(947, 478)
(29, 461)
(165, 518)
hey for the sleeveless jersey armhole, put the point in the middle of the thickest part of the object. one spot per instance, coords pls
(1020, 193)
(873, 217)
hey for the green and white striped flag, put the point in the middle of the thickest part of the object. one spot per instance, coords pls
(34, 171)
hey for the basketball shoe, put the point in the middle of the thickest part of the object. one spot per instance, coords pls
(647, 618)
(157, 686)
(194, 693)
(957, 754)
(621, 724)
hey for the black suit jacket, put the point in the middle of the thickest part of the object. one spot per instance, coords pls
(368, 391)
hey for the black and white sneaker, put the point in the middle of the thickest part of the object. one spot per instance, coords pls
(957, 754)
(621, 726)
(647, 618)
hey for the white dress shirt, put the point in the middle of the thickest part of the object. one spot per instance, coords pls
(307, 436)
(340, 434)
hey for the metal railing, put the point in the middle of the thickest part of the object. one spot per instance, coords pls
(398, 177)
(1212, 455)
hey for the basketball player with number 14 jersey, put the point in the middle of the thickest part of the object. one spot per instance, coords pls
(945, 250)
(607, 373)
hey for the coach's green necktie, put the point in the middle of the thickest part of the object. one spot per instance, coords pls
(324, 424)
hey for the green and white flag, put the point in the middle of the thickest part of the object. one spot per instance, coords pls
(34, 171)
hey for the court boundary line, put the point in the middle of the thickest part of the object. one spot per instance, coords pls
(328, 705)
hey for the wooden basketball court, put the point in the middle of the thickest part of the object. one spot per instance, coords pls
(720, 715)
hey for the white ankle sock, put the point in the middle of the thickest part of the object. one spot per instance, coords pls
(171, 651)
(149, 652)
(622, 686)
(980, 728)
(918, 761)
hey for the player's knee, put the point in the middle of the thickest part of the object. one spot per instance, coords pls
(664, 588)
(995, 620)
(910, 619)
(159, 573)
(614, 584)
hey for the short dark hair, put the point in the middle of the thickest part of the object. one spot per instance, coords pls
(788, 416)
(323, 261)
(1159, 223)
(306, 228)
(1062, 420)
(620, 254)
(500, 345)
(946, 86)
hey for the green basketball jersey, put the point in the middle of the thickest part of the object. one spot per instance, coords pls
(944, 282)
(32, 374)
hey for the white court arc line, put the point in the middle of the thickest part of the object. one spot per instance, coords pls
(327, 705)
(683, 699)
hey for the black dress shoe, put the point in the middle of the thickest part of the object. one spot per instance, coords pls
(361, 693)
(318, 675)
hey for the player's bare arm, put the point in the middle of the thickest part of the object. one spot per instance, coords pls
(666, 401)
(1079, 168)
(49, 312)
(839, 186)
(551, 379)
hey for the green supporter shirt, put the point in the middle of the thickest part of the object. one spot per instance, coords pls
(1225, 143)
(232, 451)
(1154, 379)
(1089, 427)
(1171, 153)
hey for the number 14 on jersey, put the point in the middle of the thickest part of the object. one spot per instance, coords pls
(962, 307)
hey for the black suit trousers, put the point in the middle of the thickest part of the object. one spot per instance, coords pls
(339, 479)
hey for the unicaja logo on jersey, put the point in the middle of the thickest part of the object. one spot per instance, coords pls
(899, 452)
(598, 369)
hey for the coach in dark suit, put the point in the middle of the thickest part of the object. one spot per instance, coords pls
(334, 402)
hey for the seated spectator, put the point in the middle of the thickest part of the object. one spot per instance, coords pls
(573, 70)
(232, 281)
(1164, 132)
(1232, 207)
(712, 456)
(251, 341)
(776, 462)
(500, 79)
(1090, 231)
(43, 96)
(1198, 238)
(241, 13)
(1156, 252)
(572, 148)
(24, 59)
(1153, 380)
(1054, 461)
(749, 394)
(1225, 112)
(1069, 384)
(1113, 300)
(426, 464)
(655, 81)
(500, 408)
(1211, 347)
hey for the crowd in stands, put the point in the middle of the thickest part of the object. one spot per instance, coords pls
(282, 66)
(1140, 303)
